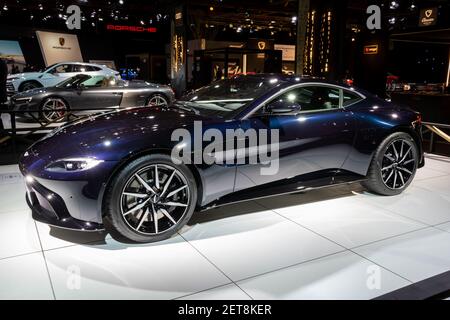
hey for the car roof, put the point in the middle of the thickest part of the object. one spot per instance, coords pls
(292, 79)
(82, 63)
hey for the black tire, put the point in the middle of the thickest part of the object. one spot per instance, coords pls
(117, 197)
(387, 174)
(29, 85)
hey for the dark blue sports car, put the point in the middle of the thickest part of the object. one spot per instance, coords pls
(120, 166)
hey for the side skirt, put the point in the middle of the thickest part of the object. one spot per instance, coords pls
(304, 183)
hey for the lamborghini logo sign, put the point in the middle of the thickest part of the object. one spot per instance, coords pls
(261, 45)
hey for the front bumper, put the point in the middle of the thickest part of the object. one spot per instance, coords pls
(10, 89)
(49, 207)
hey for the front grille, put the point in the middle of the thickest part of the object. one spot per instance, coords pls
(10, 88)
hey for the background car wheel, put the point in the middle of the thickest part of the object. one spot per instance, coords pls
(394, 165)
(150, 199)
(54, 109)
(157, 100)
(30, 85)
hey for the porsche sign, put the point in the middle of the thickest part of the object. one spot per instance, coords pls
(371, 49)
(428, 17)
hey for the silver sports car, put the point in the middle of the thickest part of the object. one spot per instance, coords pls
(85, 93)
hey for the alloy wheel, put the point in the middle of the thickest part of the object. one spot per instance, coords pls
(398, 164)
(157, 101)
(54, 109)
(155, 199)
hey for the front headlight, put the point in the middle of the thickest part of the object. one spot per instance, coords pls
(73, 165)
(13, 79)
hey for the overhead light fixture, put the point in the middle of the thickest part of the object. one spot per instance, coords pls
(393, 5)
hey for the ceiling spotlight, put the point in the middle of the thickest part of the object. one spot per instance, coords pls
(294, 19)
(239, 29)
(413, 6)
(142, 22)
(120, 1)
(211, 8)
(5, 7)
(392, 20)
(393, 5)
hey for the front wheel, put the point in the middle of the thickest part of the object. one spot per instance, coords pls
(30, 85)
(394, 165)
(151, 198)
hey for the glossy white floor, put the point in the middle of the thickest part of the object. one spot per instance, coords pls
(328, 244)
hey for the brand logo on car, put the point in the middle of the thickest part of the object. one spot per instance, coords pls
(62, 41)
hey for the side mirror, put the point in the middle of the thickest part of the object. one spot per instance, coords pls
(278, 106)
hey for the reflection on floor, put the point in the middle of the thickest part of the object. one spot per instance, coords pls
(335, 243)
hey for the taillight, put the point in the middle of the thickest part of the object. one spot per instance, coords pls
(419, 119)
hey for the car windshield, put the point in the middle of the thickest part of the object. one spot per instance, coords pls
(74, 81)
(86, 81)
(229, 95)
(49, 67)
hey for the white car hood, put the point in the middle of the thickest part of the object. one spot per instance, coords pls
(26, 75)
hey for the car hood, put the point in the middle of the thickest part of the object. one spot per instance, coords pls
(31, 93)
(114, 135)
(25, 75)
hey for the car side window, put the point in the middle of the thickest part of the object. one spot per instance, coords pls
(350, 98)
(311, 98)
(97, 81)
(83, 68)
(62, 68)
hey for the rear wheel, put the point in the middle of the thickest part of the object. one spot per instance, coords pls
(394, 165)
(54, 109)
(151, 199)
(157, 100)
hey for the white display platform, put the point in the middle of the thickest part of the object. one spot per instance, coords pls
(334, 243)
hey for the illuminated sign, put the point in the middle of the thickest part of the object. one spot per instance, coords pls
(371, 49)
(428, 17)
(59, 47)
(141, 29)
(179, 17)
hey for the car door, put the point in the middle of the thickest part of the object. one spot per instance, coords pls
(57, 74)
(97, 93)
(313, 138)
